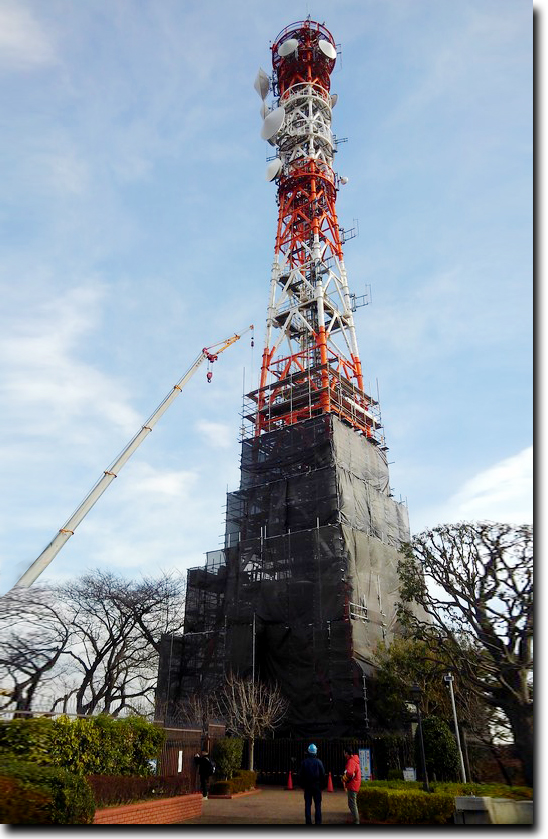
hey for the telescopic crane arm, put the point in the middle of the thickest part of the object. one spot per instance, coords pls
(209, 354)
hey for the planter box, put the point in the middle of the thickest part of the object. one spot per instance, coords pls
(159, 811)
(471, 809)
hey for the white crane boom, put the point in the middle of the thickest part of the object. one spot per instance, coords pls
(51, 551)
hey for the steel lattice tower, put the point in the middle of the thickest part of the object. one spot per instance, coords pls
(306, 584)
(310, 363)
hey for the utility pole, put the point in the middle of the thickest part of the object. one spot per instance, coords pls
(448, 679)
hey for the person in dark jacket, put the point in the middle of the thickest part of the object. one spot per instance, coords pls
(205, 769)
(312, 780)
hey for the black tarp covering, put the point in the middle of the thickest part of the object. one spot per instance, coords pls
(310, 564)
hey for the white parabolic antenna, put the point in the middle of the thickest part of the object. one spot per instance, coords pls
(272, 123)
(334, 100)
(327, 48)
(273, 169)
(287, 47)
(262, 83)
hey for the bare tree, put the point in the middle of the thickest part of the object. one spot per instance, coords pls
(475, 583)
(34, 638)
(251, 709)
(116, 629)
(91, 644)
(196, 711)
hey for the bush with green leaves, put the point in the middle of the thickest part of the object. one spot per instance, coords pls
(28, 739)
(227, 754)
(440, 748)
(404, 806)
(57, 796)
(87, 746)
(454, 789)
(242, 780)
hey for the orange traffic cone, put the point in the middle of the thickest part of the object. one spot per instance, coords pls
(329, 783)
(289, 782)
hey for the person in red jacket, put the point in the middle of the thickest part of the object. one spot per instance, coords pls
(352, 779)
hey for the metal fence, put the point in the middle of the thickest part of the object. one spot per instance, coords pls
(275, 758)
(181, 747)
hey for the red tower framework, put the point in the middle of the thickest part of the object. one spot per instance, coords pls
(310, 362)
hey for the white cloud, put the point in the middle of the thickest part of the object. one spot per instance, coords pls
(44, 384)
(24, 44)
(216, 434)
(502, 493)
(162, 482)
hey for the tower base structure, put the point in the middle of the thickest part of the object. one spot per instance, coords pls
(306, 584)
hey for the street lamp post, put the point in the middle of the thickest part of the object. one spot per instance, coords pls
(416, 693)
(448, 679)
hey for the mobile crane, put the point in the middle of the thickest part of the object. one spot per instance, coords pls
(209, 354)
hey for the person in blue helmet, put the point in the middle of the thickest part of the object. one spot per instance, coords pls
(312, 780)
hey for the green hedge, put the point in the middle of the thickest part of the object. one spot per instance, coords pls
(243, 780)
(87, 746)
(399, 806)
(56, 796)
(126, 789)
(454, 789)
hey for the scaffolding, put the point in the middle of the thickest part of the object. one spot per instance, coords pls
(299, 395)
(306, 584)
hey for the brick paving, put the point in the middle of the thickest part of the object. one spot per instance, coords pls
(272, 805)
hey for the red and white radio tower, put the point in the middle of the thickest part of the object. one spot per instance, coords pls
(306, 585)
(310, 363)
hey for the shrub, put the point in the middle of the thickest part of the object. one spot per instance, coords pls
(86, 746)
(227, 754)
(220, 788)
(243, 780)
(246, 777)
(488, 790)
(395, 775)
(20, 805)
(395, 784)
(373, 803)
(69, 798)
(492, 790)
(442, 759)
(126, 789)
(398, 806)
(29, 739)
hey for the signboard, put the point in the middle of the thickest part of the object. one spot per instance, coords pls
(365, 763)
(409, 773)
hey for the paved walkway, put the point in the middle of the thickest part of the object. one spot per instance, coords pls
(272, 805)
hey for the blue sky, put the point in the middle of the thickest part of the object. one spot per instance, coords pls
(137, 227)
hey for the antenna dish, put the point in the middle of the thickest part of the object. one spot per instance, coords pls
(273, 169)
(287, 47)
(264, 110)
(344, 180)
(262, 83)
(334, 100)
(273, 123)
(327, 48)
